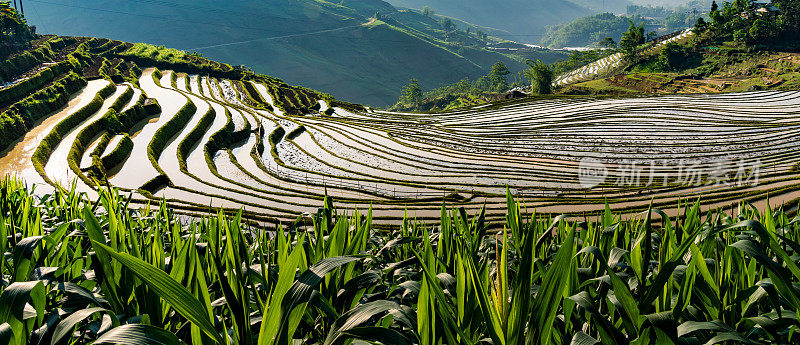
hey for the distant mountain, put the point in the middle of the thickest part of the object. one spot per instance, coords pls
(602, 6)
(527, 20)
(586, 31)
(331, 46)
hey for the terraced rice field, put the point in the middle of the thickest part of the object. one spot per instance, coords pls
(612, 62)
(278, 166)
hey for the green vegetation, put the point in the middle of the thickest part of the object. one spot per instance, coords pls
(52, 139)
(118, 154)
(587, 31)
(463, 93)
(750, 23)
(541, 77)
(14, 30)
(34, 83)
(18, 119)
(329, 52)
(590, 31)
(164, 134)
(149, 275)
(742, 46)
(579, 59)
(631, 40)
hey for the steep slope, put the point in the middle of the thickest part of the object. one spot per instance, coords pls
(526, 20)
(314, 43)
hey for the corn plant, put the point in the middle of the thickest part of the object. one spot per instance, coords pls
(108, 272)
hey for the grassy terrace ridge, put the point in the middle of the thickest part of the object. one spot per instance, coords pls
(103, 270)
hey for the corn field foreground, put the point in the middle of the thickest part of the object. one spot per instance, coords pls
(77, 271)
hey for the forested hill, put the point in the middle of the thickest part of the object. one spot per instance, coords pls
(527, 20)
(319, 44)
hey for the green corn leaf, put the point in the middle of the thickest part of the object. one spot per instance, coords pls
(7, 334)
(378, 335)
(23, 254)
(12, 305)
(137, 334)
(609, 334)
(445, 309)
(581, 338)
(300, 292)
(66, 326)
(95, 233)
(548, 299)
(357, 317)
(270, 322)
(168, 289)
(666, 270)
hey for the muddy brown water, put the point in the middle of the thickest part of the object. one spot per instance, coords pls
(16, 160)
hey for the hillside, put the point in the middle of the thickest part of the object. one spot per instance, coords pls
(742, 47)
(601, 6)
(526, 20)
(310, 42)
(586, 31)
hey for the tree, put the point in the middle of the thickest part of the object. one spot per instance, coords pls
(670, 57)
(761, 30)
(541, 76)
(14, 29)
(448, 24)
(701, 26)
(789, 16)
(498, 77)
(482, 35)
(608, 42)
(427, 11)
(631, 40)
(714, 6)
(740, 36)
(412, 93)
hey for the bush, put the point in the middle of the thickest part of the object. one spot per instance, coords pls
(670, 57)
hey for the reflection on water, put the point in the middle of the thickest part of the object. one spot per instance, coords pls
(16, 160)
